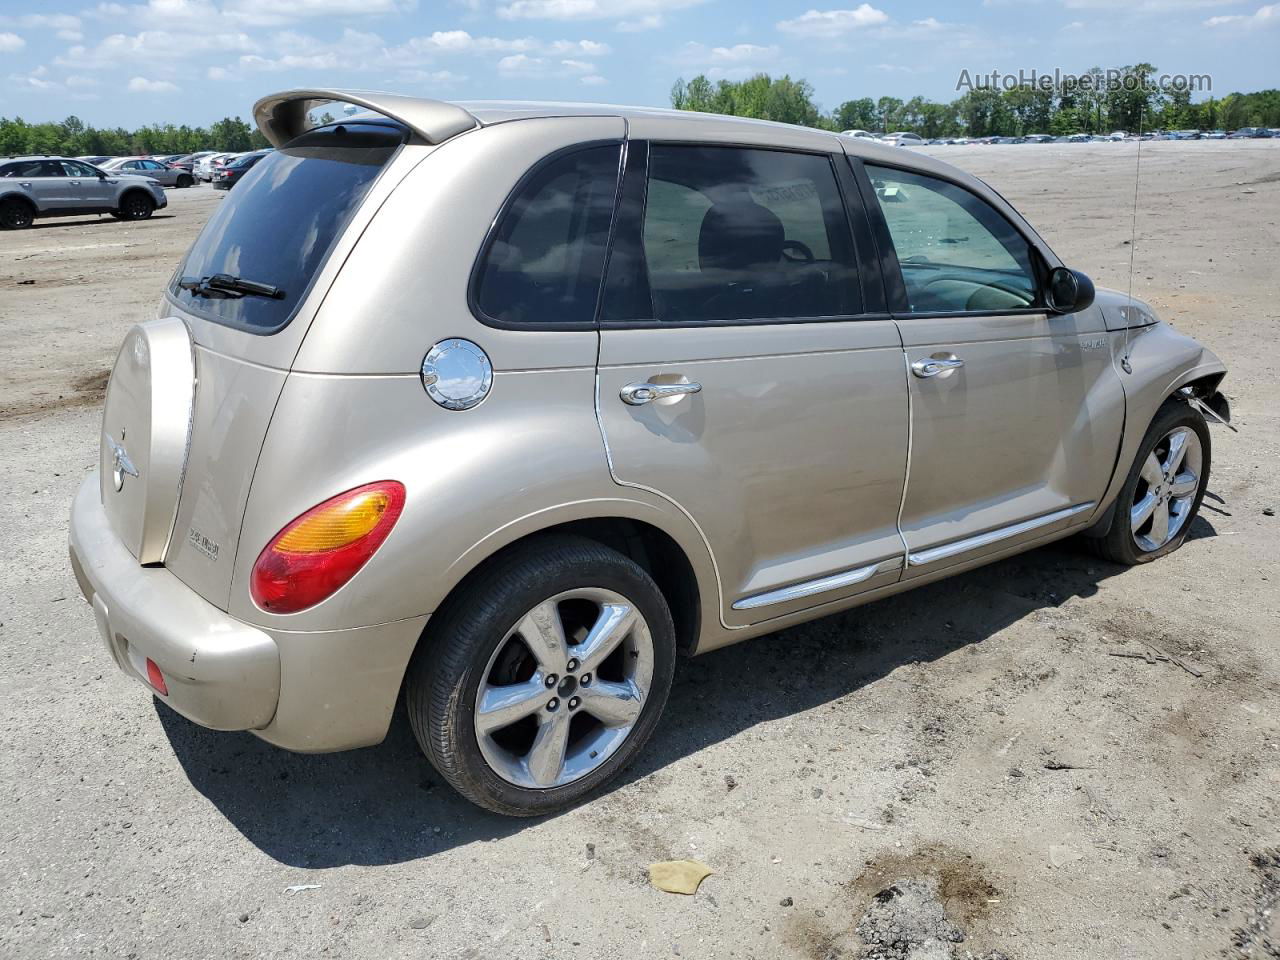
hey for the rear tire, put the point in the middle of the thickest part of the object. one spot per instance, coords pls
(135, 206)
(184, 181)
(1158, 502)
(16, 214)
(573, 714)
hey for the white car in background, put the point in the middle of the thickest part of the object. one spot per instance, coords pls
(859, 134)
(903, 139)
(205, 166)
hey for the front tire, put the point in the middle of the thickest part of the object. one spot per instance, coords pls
(1162, 494)
(543, 677)
(136, 206)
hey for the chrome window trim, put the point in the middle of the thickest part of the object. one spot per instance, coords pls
(934, 554)
(810, 587)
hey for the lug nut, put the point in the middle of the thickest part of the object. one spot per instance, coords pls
(572, 664)
(573, 703)
(585, 679)
(553, 704)
(551, 680)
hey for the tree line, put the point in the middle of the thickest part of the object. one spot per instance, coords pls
(983, 111)
(74, 138)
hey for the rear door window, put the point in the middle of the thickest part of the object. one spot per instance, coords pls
(732, 233)
(544, 263)
(279, 224)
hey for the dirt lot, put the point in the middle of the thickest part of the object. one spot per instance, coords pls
(969, 748)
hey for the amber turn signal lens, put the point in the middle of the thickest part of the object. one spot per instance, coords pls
(317, 553)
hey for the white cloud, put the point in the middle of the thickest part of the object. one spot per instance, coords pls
(1148, 6)
(588, 9)
(10, 42)
(735, 62)
(826, 23)
(1260, 17)
(143, 85)
(928, 23)
(37, 21)
(593, 80)
(652, 21)
(461, 42)
(274, 12)
(75, 81)
(151, 46)
(520, 63)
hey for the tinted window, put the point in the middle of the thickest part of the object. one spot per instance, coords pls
(546, 258)
(279, 224)
(150, 165)
(957, 253)
(737, 234)
(24, 168)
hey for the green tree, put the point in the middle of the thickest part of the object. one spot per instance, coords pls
(857, 114)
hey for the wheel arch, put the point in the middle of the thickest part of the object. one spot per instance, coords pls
(24, 200)
(130, 190)
(1164, 363)
(680, 566)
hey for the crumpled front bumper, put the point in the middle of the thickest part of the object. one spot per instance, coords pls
(220, 672)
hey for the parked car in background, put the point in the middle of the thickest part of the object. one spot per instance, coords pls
(34, 187)
(188, 161)
(1215, 135)
(1251, 133)
(860, 134)
(95, 160)
(903, 139)
(623, 429)
(1038, 138)
(161, 173)
(207, 164)
(226, 177)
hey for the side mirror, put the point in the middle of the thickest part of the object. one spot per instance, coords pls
(1070, 291)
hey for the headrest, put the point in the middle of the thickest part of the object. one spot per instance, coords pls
(739, 235)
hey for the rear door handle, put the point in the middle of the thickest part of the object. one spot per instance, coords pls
(636, 394)
(932, 366)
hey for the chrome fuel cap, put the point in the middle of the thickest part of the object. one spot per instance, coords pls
(457, 374)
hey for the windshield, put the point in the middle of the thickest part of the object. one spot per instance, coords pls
(279, 224)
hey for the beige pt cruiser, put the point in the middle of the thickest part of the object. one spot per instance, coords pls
(502, 406)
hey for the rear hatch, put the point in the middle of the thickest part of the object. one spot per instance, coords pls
(192, 393)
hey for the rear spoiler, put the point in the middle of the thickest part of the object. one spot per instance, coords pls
(282, 116)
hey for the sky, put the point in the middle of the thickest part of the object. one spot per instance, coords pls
(195, 61)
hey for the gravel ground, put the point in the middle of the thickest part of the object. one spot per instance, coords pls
(970, 744)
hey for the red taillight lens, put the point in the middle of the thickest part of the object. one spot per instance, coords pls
(321, 550)
(156, 678)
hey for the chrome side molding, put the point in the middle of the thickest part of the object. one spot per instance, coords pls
(810, 587)
(994, 536)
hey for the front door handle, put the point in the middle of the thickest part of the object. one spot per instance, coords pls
(636, 394)
(932, 366)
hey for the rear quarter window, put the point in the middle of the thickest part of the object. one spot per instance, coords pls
(279, 224)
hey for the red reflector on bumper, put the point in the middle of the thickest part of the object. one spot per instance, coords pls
(156, 678)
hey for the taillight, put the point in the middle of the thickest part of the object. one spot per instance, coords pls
(321, 550)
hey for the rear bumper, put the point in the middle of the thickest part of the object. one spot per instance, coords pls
(313, 692)
(220, 672)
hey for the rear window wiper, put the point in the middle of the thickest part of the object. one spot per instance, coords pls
(224, 286)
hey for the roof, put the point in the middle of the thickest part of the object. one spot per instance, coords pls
(281, 116)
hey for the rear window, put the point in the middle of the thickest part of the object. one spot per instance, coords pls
(279, 224)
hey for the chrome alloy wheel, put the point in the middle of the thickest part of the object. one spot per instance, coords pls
(564, 689)
(1167, 487)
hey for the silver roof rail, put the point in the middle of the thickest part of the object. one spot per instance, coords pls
(282, 116)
